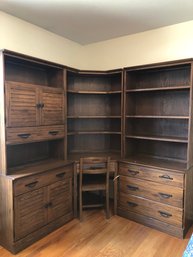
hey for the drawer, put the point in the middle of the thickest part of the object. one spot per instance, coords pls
(21, 135)
(28, 184)
(152, 174)
(168, 214)
(151, 190)
(31, 134)
(60, 174)
(51, 132)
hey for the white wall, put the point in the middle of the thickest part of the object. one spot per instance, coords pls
(23, 37)
(167, 43)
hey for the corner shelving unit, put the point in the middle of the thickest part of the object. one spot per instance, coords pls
(157, 114)
(95, 102)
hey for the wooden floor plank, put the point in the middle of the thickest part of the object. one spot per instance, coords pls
(97, 237)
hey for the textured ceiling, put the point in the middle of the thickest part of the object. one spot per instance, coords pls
(88, 21)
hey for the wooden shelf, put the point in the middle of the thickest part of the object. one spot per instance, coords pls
(75, 155)
(94, 117)
(93, 132)
(160, 138)
(157, 117)
(155, 161)
(94, 92)
(158, 89)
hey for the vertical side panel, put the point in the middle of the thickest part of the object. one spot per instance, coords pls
(2, 117)
(190, 126)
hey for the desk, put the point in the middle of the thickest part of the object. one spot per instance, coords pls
(113, 174)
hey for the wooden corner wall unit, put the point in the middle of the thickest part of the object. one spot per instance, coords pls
(156, 175)
(52, 115)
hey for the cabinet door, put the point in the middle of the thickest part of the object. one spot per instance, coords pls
(52, 111)
(60, 197)
(21, 102)
(30, 212)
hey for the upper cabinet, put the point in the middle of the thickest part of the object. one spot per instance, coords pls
(32, 105)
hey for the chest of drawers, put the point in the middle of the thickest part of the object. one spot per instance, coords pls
(155, 197)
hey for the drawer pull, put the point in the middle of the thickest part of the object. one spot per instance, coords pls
(165, 214)
(166, 177)
(165, 196)
(131, 204)
(53, 132)
(48, 205)
(26, 135)
(132, 188)
(31, 185)
(132, 172)
(60, 175)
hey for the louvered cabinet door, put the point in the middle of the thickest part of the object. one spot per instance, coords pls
(52, 110)
(21, 105)
(30, 212)
(60, 199)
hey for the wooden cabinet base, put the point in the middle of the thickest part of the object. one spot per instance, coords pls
(19, 245)
(153, 223)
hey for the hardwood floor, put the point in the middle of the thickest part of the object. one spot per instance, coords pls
(97, 237)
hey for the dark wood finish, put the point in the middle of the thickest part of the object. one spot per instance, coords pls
(3, 162)
(94, 176)
(41, 194)
(32, 105)
(155, 178)
(95, 102)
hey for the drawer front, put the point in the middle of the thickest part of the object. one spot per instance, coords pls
(30, 183)
(31, 134)
(60, 174)
(154, 191)
(21, 135)
(168, 214)
(157, 175)
(51, 132)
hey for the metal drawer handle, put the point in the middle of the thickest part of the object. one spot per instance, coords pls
(166, 177)
(60, 175)
(31, 185)
(26, 135)
(132, 172)
(165, 214)
(48, 205)
(131, 204)
(132, 188)
(165, 196)
(53, 132)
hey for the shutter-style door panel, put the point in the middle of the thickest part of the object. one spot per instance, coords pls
(52, 111)
(30, 212)
(21, 101)
(60, 196)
